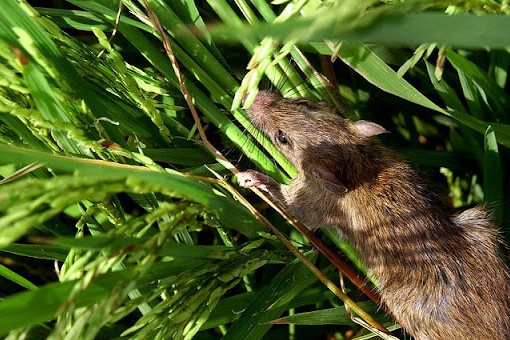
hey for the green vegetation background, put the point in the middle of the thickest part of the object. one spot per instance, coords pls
(128, 246)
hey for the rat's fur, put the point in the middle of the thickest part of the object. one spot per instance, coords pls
(441, 275)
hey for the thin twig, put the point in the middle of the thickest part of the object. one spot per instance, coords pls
(21, 172)
(182, 84)
(115, 28)
(340, 264)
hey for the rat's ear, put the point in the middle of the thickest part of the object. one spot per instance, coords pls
(369, 129)
(329, 180)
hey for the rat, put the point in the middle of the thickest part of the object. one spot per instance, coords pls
(441, 275)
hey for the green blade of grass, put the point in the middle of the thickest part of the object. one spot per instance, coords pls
(232, 214)
(115, 243)
(38, 251)
(498, 68)
(82, 20)
(23, 132)
(384, 25)
(330, 316)
(49, 106)
(184, 156)
(197, 52)
(373, 69)
(364, 61)
(271, 302)
(29, 308)
(229, 309)
(452, 160)
(493, 176)
(16, 278)
(472, 96)
(189, 13)
(497, 95)
(282, 74)
(202, 101)
(447, 93)
(37, 44)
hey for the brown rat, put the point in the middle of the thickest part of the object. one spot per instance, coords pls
(441, 275)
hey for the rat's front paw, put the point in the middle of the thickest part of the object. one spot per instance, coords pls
(252, 178)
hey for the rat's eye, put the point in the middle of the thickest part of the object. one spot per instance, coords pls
(281, 137)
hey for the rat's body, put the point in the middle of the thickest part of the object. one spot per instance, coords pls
(440, 275)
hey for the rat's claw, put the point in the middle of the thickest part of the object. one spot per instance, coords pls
(251, 178)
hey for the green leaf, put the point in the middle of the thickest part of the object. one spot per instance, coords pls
(271, 301)
(29, 308)
(49, 106)
(176, 250)
(499, 98)
(228, 309)
(81, 20)
(187, 156)
(373, 69)
(364, 61)
(23, 132)
(493, 176)
(384, 25)
(330, 316)
(38, 251)
(38, 46)
(231, 213)
(97, 242)
(447, 93)
(10, 275)
(203, 102)
(454, 160)
(498, 69)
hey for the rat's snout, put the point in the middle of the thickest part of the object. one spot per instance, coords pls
(262, 104)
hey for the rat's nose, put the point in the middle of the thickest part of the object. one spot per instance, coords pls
(265, 97)
(262, 102)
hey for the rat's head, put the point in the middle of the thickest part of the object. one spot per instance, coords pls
(313, 136)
